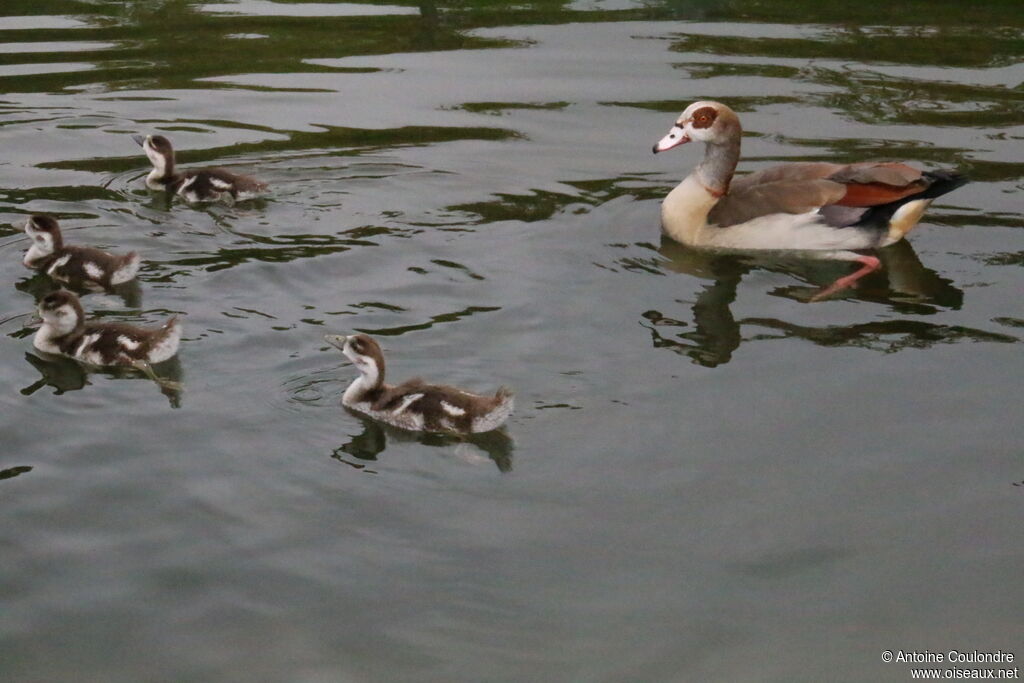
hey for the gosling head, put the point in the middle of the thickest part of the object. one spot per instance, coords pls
(364, 352)
(45, 234)
(61, 311)
(159, 150)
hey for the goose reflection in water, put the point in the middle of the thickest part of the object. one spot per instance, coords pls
(39, 285)
(373, 440)
(903, 283)
(66, 374)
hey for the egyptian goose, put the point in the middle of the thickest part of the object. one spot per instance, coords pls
(65, 332)
(807, 206)
(415, 405)
(86, 266)
(198, 185)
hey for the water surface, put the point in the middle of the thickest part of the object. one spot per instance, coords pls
(707, 477)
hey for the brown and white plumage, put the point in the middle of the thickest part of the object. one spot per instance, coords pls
(65, 331)
(414, 404)
(198, 185)
(74, 265)
(813, 207)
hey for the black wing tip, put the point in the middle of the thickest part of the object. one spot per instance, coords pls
(943, 181)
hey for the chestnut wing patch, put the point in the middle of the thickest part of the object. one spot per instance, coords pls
(874, 184)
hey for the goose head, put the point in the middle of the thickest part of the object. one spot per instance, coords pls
(61, 312)
(703, 121)
(159, 150)
(44, 231)
(364, 352)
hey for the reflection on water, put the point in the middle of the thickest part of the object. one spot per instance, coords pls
(373, 441)
(451, 317)
(275, 249)
(904, 284)
(39, 285)
(886, 336)
(140, 45)
(12, 472)
(878, 46)
(716, 334)
(65, 374)
(289, 146)
(540, 205)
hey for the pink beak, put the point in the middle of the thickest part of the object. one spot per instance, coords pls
(677, 136)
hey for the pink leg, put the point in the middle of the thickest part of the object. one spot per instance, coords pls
(870, 264)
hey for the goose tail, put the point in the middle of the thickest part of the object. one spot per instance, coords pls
(905, 213)
(165, 341)
(504, 405)
(127, 270)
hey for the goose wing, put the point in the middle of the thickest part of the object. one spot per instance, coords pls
(804, 187)
(392, 396)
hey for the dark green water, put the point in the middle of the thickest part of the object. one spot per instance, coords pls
(707, 478)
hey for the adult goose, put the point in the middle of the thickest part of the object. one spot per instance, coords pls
(808, 206)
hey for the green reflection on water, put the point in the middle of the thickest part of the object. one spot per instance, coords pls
(979, 48)
(327, 141)
(174, 44)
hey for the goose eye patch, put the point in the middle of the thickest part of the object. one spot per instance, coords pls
(704, 117)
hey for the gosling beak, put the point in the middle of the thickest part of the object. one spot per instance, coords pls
(140, 140)
(677, 136)
(336, 340)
